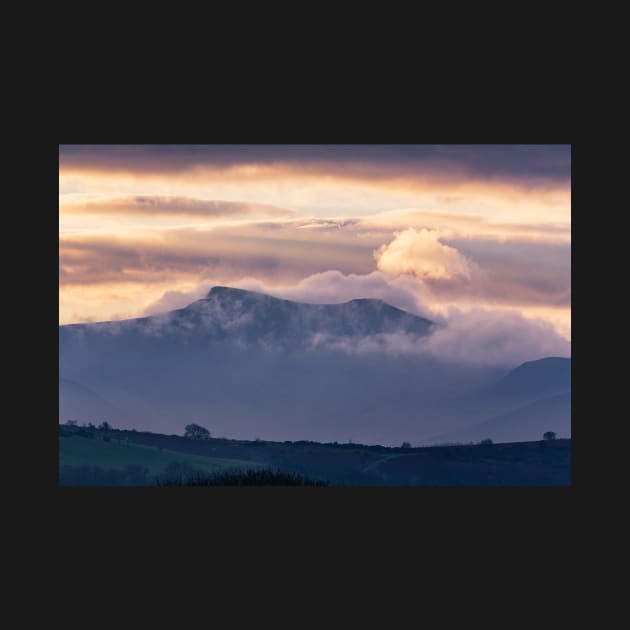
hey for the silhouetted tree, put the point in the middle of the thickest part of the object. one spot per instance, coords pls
(406, 445)
(196, 432)
(71, 423)
(104, 426)
(549, 435)
(486, 441)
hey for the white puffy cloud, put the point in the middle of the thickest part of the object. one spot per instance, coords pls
(422, 254)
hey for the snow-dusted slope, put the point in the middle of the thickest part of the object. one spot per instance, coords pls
(255, 318)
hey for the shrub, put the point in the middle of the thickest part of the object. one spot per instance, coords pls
(251, 477)
(549, 435)
(486, 441)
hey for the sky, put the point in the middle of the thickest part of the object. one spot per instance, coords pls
(478, 236)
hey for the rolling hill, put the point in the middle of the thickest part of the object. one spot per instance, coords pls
(95, 460)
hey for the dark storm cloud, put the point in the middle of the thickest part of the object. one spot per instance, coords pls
(491, 162)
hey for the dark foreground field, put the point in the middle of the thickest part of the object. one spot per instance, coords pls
(118, 457)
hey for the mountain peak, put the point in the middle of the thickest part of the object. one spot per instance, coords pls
(218, 291)
(367, 301)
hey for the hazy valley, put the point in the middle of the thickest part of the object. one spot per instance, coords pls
(247, 365)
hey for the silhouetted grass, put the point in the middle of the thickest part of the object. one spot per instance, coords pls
(263, 477)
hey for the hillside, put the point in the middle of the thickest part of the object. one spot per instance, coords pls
(527, 463)
(85, 451)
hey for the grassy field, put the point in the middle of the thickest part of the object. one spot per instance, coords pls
(522, 463)
(81, 451)
(380, 461)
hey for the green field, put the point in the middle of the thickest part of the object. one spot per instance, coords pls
(81, 451)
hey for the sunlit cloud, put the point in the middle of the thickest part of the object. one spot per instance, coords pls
(423, 255)
(526, 183)
(170, 205)
(433, 230)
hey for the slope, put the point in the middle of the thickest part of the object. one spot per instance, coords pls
(83, 451)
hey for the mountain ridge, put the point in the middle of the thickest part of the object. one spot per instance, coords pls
(228, 309)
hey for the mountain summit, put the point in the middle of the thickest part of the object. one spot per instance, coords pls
(251, 317)
(265, 315)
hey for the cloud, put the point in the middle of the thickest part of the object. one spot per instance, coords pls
(476, 337)
(328, 287)
(333, 287)
(165, 205)
(495, 337)
(515, 272)
(453, 225)
(225, 254)
(473, 337)
(422, 254)
(509, 183)
(524, 164)
(316, 260)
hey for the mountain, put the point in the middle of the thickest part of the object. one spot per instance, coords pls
(536, 379)
(247, 365)
(253, 318)
(533, 398)
(526, 423)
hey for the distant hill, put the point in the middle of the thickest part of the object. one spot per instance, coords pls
(526, 423)
(536, 379)
(533, 398)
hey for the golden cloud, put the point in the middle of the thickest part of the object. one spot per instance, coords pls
(422, 254)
